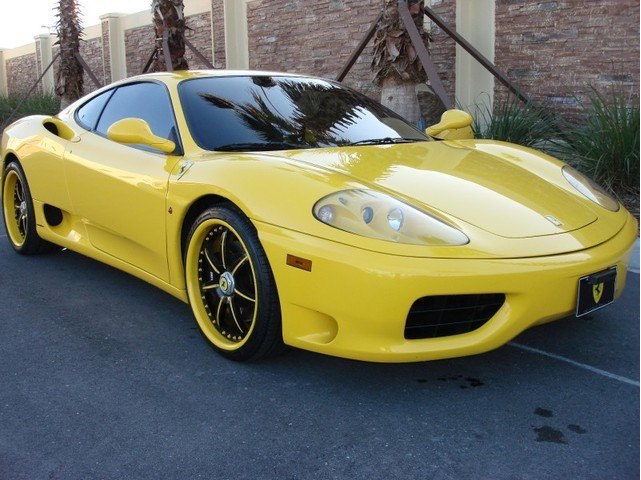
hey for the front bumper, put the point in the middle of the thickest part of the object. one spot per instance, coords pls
(354, 303)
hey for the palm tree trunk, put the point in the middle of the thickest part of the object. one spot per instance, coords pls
(401, 97)
(395, 63)
(69, 79)
(169, 18)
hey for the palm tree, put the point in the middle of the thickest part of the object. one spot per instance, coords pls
(69, 78)
(169, 18)
(396, 66)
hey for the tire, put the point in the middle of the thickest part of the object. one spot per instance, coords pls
(230, 285)
(18, 212)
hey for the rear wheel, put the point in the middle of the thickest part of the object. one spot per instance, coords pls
(231, 287)
(19, 217)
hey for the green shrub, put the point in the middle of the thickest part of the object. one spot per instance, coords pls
(516, 122)
(37, 103)
(606, 145)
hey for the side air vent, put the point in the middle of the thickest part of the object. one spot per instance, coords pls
(445, 315)
(58, 128)
(53, 215)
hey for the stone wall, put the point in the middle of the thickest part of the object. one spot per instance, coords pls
(21, 73)
(139, 43)
(91, 52)
(218, 27)
(556, 50)
(442, 47)
(199, 34)
(39, 66)
(106, 65)
(312, 37)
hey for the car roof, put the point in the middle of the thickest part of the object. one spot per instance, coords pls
(179, 75)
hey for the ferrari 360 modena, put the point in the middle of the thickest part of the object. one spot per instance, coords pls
(292, 210)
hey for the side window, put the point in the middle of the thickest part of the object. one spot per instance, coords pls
(88, 114)
(148, 101)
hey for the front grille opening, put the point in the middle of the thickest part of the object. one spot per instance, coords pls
(445, 315)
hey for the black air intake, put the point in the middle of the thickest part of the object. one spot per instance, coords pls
(445, 315)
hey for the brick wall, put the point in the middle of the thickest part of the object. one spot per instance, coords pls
(91, 52)
(555, 49)
(218, 21)
(39, 66)
(312, 37)
(200, 36)
(139, 43)
(106, 66)
(443, 48)
(21, 73)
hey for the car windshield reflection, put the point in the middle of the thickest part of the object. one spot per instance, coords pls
(254, 113)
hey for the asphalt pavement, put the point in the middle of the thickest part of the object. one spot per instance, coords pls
(105, 377)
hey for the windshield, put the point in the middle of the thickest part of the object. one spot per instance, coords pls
(248, 113)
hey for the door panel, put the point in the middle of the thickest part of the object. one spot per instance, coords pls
(120, 193)
(119, 190)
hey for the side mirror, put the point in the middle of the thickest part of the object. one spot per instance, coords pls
(454, 125)
(136, 130)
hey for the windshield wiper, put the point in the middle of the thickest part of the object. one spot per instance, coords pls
(384, 141)
(258, 146)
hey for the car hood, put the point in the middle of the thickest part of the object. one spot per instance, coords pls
(501, 188)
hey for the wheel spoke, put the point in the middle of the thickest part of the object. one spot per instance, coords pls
(239, 264)
(218, 310)
(23, 223)
(242, 295)
(233, 314)
(211, 286)
(211, 264)
(223, 246)
(19, 193)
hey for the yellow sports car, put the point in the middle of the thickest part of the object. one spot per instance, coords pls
(290, 210)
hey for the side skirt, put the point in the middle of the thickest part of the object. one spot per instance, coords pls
(71, 233)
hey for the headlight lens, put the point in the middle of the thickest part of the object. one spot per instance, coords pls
(590, 189)
(375, 215)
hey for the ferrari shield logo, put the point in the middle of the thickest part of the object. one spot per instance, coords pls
(597, 291)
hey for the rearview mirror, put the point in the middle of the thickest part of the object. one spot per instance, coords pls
(454, 125)
(136, 130)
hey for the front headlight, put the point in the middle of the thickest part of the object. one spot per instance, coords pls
(589, 189)
(375, 215)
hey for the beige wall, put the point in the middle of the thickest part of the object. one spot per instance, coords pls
(236, 38)
(3, 75)
(475, 22)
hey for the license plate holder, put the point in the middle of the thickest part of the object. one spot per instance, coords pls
(596, 291)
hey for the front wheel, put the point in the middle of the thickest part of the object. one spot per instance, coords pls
(231, 287)
(19, 216)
